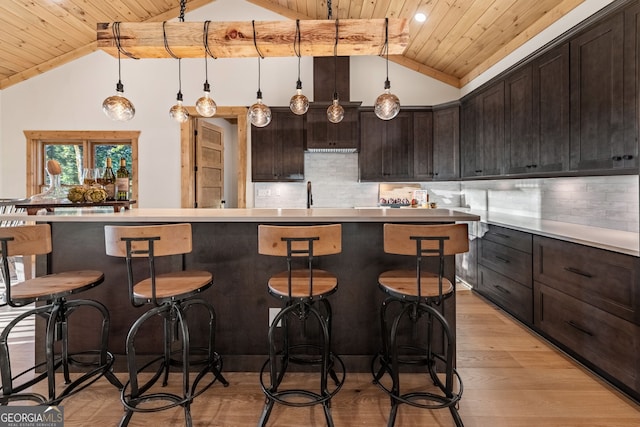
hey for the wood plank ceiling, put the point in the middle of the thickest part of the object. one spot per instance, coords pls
(460, 39)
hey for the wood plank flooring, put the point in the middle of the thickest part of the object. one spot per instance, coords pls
(511, 378)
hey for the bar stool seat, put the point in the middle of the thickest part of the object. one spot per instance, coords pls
(301, 331)
(410, 314)
(172, 296)
(51, 291)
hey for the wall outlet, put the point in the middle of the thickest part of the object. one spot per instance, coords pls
(264, 192)
(273, 312)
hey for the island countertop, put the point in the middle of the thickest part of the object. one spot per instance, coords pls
(251, 215)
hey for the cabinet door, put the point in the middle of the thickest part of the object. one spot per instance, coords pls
(277, 150)
(631, 81)
(490, 147)
(322, 134)
(423, 145)
(386, 147)
(550, 114)
(468, 159)
(597, 94)
(520, 153)
(446, 143)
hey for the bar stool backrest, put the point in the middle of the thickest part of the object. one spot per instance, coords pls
(400, 239)
(323, 239)
(25, 240)
(168, 239)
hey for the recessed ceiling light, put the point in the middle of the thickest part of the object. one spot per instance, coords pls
(420, 17)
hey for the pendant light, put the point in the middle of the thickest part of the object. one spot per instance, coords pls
(205, 106)
(335, 112)
(387, 105)
(299, 104)
(259, 114)
(178, 112)
(117, 107)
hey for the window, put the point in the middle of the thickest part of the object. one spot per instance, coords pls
(76, 150)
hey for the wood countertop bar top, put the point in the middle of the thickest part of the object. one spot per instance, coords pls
(252, 215)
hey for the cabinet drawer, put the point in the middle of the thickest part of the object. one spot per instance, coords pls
(507, 261)
(505, 236)
(601, 278)
(508, 294)
(608, 342)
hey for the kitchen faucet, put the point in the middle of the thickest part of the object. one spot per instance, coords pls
(309, 195)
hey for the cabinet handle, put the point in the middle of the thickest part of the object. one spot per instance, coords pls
(616, 158)
(506, 261)
(627, 157)
(578, 272)
(478, 170)
(504, 236)
(578, 327)
(501, 289)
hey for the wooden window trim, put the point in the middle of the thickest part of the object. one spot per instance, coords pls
(37, 139)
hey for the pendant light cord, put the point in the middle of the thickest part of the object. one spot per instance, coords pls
(168, 49)
(298, 52)
(183, 6)
(335, 63)
(207, 53)
(260, 56)
(329, 10)
(385, 50)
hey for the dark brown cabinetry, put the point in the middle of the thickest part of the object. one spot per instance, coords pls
(324, 135)
(597, 97)
(446, 143)
(482, 139)
(386, 147)
(586, 300)
(504, 269)
(423, 145)
(277, 150)
(537, 115)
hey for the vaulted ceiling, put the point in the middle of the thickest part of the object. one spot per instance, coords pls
(459, 40)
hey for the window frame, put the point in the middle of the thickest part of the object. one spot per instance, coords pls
(36, 141)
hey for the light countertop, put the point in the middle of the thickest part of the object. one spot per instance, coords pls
(614, 240)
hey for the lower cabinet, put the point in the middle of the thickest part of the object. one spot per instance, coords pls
(504, 270)
(606, 342)
(586, 300)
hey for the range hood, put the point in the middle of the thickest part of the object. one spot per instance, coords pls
(331, 74)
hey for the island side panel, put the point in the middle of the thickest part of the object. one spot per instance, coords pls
(239, 293)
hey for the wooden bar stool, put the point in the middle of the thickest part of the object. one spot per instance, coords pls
(301, 331)
(172, 296)
(409, 315)
(51, 291)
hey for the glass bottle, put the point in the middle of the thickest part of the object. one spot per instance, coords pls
(109, 180)
(122, 181)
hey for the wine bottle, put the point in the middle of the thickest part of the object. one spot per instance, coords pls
(122, 181)
(109, 180)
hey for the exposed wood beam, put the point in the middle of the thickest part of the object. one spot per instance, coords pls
(274, 38)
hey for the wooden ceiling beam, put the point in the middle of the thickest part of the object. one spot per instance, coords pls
(273, 38)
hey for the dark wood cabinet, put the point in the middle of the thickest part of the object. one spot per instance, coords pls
(277, 150)
(424, 159)
(597, 97)
(446, 143)
(550, 110)
(324, 135)
(504, 269)
(631, 87)
(386, 147)
(521, 156)
(482, 138)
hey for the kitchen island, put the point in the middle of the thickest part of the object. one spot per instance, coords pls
(225, 243)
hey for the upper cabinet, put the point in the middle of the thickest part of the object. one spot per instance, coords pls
(597, 97)
(324, 135)
(446, 142)
(386, 147)
(277, 150)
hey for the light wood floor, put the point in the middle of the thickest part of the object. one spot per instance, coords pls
(511, 378)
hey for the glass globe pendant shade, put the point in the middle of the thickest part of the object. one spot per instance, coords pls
(117, 107)
(387, 105)
(205, 106)
(259, 114)
(178, 112)
(335, 112)
(299, 104)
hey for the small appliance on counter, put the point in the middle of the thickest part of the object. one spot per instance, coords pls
(397, 195)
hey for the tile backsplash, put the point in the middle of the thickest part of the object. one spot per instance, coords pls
(604, 201)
